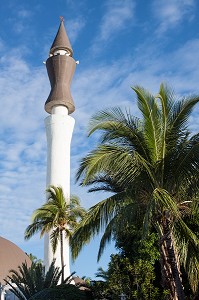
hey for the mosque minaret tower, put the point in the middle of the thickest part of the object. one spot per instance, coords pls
(59, 128)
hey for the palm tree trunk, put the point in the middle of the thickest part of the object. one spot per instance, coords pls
(166, 271)
(62, 255)
(170, 263)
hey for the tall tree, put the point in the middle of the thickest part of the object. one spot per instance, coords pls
(152, 166)
(57, 216)
(135, 280)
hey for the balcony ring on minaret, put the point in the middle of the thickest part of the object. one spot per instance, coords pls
(60, 67)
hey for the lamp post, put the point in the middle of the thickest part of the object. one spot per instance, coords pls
(122, 296)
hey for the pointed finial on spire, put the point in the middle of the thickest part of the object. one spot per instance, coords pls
(61, 41)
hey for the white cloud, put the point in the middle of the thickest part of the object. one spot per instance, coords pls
(20, 20)
(117, 16)
(74, 27)
(171, 13)
(22, 146)
(24, 13)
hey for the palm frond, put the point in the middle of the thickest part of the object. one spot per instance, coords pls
(188, 160)
(120, 128)
(106, 238)
(180, 114)
(52, 276)
(188, 248)
(32, 229)
(165, 201)
(96, 220)
(54, 238)
(110, 115)
(112, 159)
(151, 120)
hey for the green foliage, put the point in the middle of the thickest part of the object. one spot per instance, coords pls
(61, 292)
(32, 283)
(130, 243)
(135, 280)
(132, 271)
(152, 167)
(27, 281)
(99, 290)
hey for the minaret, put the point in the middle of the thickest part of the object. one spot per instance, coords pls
(59, 128)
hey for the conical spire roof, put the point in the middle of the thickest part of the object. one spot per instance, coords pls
(61, 41)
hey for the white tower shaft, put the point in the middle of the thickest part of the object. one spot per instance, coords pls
(59, 129)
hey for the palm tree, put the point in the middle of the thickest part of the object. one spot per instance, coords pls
(152, 167)
(34, 259)
(58, 217)
(28, 281)
(102, 274)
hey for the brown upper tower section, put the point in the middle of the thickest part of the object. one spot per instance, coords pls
(60, 67)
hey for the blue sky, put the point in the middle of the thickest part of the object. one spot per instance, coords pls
(119, 43)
